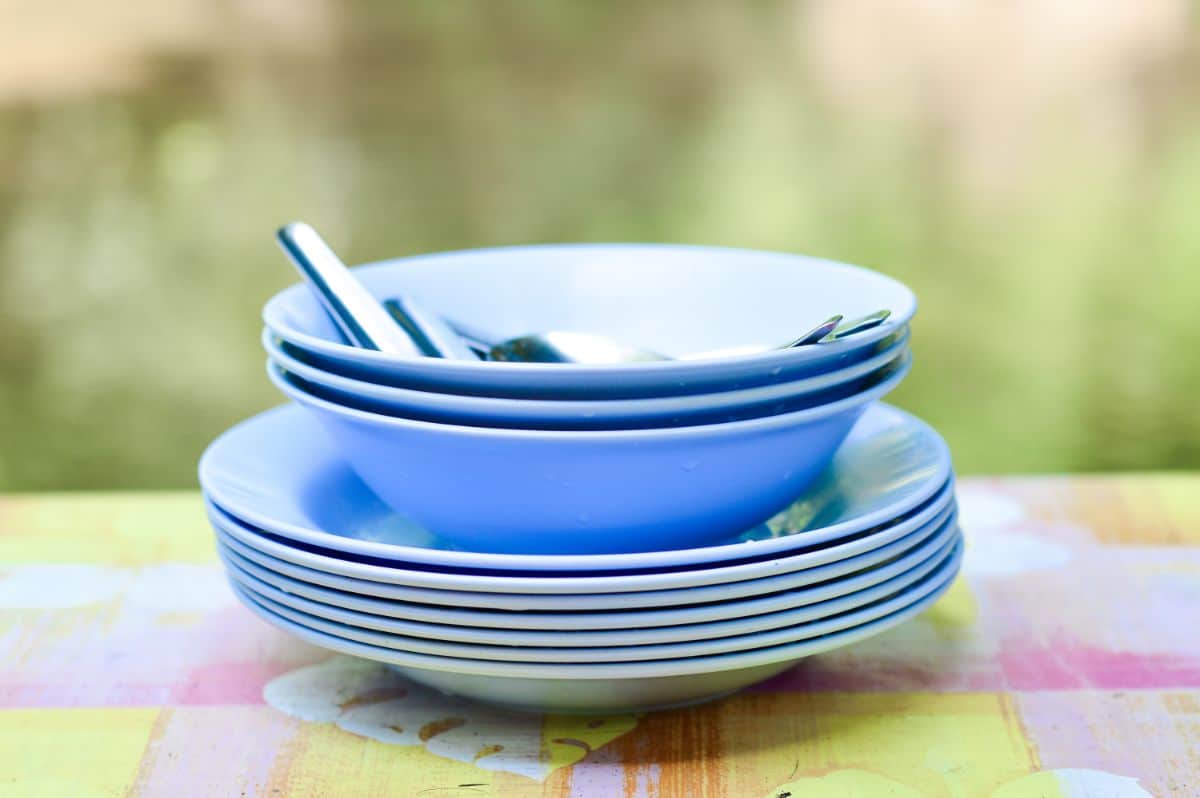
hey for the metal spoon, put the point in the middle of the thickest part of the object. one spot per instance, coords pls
(858, 325)
(480, 341)
(429, 331)
(576, 347)
(359, 316)
(569, 347)
(816, 335)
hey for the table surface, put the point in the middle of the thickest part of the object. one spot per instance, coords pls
(1064, 662)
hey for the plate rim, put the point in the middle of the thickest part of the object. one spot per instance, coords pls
(915, 565)
(943, 568)
(621, 670)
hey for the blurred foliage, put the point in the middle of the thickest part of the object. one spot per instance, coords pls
(1037, 183)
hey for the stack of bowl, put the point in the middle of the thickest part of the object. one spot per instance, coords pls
(591, 537)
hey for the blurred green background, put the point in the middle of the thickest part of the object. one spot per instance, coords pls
(1031, 169)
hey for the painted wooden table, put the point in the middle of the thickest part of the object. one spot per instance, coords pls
(1065, 662)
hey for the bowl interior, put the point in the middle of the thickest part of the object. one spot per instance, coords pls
(673, 299)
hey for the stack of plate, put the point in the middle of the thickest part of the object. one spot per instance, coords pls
(587, 538)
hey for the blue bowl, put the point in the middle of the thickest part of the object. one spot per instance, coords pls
(594, 491)
(583, 414)
(672, 299)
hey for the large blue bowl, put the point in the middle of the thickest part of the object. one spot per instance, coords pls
(593, 491)
(672, 299)
(586, 414)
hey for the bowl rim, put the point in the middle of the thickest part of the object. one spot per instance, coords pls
(899, 370)
(290, 365)
(274, 318)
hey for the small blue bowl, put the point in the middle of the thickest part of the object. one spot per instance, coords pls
(669, 298)
(584, 414)
(593, 491)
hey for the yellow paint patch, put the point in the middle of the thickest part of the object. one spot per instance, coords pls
(1146, 509)
(72, 753)
(1179, 497)
(955, 613)
(844, 784)
(569, 738)
(323, 760)
(1035, 785)
(105, 528)
(965, 744)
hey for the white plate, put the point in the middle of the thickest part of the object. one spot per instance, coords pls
(589, 593)
(800, 624)
(539, 628)
(279, 472)
(850, 609)
(608, 687)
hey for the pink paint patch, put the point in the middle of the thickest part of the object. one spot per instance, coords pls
(222, 750)
(835, 674)
(238, 683)
(1146, 733)
(1064, 664)
(601, 773)
(233, 683)
(123, 661)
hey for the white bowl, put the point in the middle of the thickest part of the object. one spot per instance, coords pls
(672, 299)
(585, 414)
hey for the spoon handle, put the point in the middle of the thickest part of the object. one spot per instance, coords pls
(433, 336)
(858, 325)
(816, 333)
(359, 316)
(476, 338)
